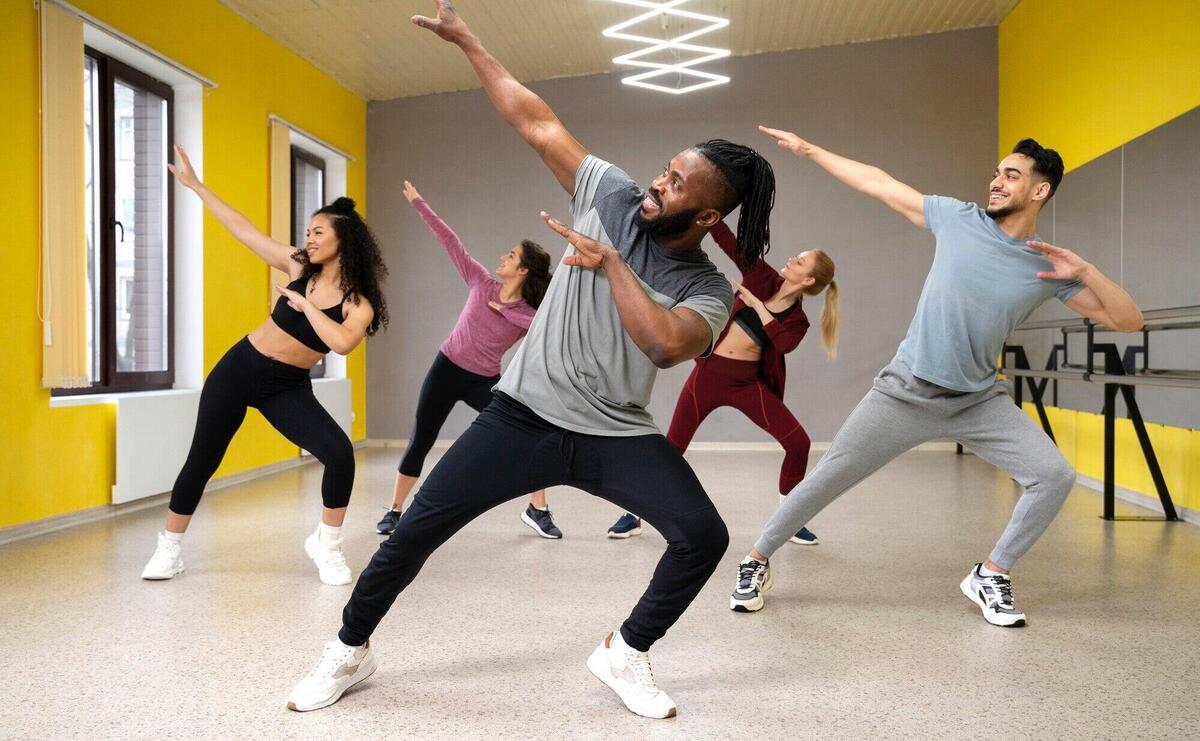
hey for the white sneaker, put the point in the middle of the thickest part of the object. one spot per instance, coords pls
(627, 672)
(339, 668)
(993, 596)
(331, 562)
(167, 560)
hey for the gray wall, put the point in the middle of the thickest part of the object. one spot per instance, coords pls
(923, 108)
(1133, 214)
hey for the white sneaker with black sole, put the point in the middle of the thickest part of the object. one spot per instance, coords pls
(330, 561)
(339, 668)
(167, 560)
(626, 671)
(753, 580)
(993, 596)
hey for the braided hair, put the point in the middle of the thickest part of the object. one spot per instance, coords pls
(750, 182)
(363, 270)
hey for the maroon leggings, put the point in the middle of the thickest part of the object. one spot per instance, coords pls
(720, 382)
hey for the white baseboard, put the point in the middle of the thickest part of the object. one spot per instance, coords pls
(109, 511)
(387, 442)
(1145, 501)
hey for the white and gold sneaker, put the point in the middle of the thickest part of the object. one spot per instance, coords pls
(627, 672)
(339, 668)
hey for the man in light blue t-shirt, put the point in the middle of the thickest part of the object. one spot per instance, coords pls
(990, 271)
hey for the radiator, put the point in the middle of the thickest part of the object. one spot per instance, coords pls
(154, 432)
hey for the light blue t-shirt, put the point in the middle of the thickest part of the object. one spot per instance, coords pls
(982, 285)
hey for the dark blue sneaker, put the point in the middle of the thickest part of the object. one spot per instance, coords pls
(541, 522)
(626, 526)
(805, 537)
(388, 523)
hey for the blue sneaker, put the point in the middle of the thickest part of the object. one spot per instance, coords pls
(805, 537)
(626, 526)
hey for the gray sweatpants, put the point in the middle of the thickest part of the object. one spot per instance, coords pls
(902, 411)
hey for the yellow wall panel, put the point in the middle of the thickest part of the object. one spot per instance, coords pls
(58, 461)
(1086, 76)
(1080, 437)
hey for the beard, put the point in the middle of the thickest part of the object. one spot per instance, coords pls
(999, 212)
(667, 226)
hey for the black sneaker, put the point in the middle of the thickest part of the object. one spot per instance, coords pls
(625, 526)
(804, 536)
(754, 578)
(388, 523)
(541, 522)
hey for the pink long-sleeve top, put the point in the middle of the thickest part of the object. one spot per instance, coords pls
(482, 335)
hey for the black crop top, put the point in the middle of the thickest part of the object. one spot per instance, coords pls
(748, 320)
(296, 324)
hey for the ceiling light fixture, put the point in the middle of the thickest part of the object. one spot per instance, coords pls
(663, 8)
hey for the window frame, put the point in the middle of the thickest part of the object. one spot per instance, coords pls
(312, 160)
(109, 70)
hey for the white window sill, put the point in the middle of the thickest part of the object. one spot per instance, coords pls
(82, 400)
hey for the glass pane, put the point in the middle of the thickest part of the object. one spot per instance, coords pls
(140, 203)
(91, 184)
(310, 195)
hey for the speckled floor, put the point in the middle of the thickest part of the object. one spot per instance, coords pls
(864, 636)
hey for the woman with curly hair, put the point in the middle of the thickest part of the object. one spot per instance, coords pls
(332, 302)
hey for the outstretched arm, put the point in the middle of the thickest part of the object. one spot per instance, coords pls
(469, 268)
(524, 111)
(904, 199)
(275, 254)
(667, 336)
(1101, 300)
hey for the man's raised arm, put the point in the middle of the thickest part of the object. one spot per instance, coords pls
(521, 108)
(903, 199)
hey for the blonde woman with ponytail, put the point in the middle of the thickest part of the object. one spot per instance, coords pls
(746, 368)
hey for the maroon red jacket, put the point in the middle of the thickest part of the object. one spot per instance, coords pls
(763, 280)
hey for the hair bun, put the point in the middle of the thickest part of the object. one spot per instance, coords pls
(342, 205)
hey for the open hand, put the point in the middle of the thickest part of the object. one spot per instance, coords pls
(410, 192)
(789, 141)
(748, 298)
(1065, 263)
(591, 254)
(295, 300)
(447, 24)
(182, 169)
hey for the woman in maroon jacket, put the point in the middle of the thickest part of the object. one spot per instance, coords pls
(746, 369)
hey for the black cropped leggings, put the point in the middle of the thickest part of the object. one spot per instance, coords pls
(244, 378)
(445, 385)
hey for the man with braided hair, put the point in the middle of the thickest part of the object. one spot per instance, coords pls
(636, 293)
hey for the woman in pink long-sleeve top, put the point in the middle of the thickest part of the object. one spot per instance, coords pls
(497, 314)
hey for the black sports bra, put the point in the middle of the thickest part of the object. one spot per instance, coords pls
(296, 324)
(749, 320)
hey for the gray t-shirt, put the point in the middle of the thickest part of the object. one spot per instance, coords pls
(577, 367)
(982, 285)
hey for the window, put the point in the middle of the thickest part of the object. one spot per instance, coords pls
(127, 123)
(308, 194)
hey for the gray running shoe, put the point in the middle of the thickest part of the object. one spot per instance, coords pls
(993, 595)
(754, 578)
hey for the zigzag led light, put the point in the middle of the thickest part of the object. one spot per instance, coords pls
(659, 69)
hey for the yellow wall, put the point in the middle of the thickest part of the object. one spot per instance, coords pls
(55, 461)
(1086, 76)
(1080, 436)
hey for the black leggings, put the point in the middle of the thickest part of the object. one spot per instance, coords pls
(445, 385)
(243, 378)
(508, 451)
